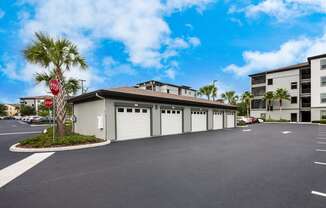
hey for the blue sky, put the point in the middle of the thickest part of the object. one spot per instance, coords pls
(189, 42)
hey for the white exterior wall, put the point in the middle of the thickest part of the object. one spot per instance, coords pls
(284, 114)
(316, 89)
(173, 90)
(283, 80)
(257, 113)
(185, 92)
(86, 118)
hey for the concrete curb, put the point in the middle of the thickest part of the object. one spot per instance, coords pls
(14, 147)
(304, 123)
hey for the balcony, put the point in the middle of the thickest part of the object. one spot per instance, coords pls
(305, 75)
(257, 80)
(305, 102)
(305, 89)
(258, 91)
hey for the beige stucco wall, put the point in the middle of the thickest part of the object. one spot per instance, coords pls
(283, 80)
(86, 115)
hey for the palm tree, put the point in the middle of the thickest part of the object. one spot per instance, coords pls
(206, 90)
(213, 91)
(230, 97)
(71, 85)
(280, 95)
(246, 98)
(269, 97)
(57, 56)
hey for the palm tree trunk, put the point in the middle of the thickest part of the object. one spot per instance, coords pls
(60, 105)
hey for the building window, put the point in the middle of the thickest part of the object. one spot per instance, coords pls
(322, 114)
(120, 110)
(323, 81)
(270, 81)
(137, 110)
(168, 91)
(294, 100)
(294, 85)
(144, 110)
(322, 97)
(323, 64)
(129, 110)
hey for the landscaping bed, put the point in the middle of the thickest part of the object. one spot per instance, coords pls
(45, 140)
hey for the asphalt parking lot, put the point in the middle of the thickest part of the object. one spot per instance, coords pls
(268, 165)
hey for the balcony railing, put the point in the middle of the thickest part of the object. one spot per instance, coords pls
(305, 105)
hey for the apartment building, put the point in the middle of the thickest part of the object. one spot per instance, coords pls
(34, 101)
(157, 86)
(306, 85)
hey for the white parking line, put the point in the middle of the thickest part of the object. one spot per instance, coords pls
(321, 142)
(25, 132)
(245, 130)
(322, 138)
(320, 150)
(286, 132)
(13, 171)
(319, 163)
(318, 193)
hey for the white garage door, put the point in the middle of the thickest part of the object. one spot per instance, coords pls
(133, 123)
(218, 120)
(171, 121)
(198, 121)
(230, 120)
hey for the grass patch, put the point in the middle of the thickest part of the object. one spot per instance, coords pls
(323, 121)
(277, 120)
(46, 140)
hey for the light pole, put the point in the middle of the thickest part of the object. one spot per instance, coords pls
(214, 81)
(82, 84)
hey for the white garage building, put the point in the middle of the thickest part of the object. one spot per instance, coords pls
(131, 113)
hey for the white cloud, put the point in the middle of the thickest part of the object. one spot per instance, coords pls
(139, 25)
(170, 73)
(285, 9)
(290, 52)
(113, 67)
(178, 5)
(194, 41)
(2, 13)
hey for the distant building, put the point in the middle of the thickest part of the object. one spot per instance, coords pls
(157, 86)
(34, 101)
(12, 109)
(306, 85)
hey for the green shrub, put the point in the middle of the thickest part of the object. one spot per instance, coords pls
(275, 120)
(46, 140)
(241, 123)
(323, 121)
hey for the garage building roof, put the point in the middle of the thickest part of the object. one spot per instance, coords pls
(136, 94)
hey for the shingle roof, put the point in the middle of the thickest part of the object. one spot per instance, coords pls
(151, 96)
(287, 68)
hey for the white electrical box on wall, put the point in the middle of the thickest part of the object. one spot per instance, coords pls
(100, 122)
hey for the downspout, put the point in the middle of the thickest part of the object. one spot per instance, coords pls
(105, 121)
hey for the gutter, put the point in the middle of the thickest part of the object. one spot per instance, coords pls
(105, 117)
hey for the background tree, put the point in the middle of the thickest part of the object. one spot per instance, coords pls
(42, 110)
(242, 110)
(3, 110)
(71, 85)
(26, 110)
(206, 90)
(269, 97)
(213, 89)
(280, 95)
(58, 56)
(246, 99)
(230, 97)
